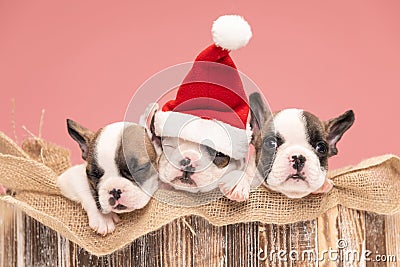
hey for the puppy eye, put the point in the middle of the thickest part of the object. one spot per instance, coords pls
(221, 160)
(142, 168)
(219, 154)
(94, 174)
(270, 142)
(126, 173)
(321, 148)
(167, 145)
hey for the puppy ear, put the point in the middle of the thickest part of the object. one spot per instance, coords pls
(154, 138)
(335, 128)
(146, 118)
(81, 135)
(259, 113)
(147, 121)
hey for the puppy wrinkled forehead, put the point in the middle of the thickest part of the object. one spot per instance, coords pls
(291, 125)
(315, 126)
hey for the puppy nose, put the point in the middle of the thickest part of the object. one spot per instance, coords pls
(116, 193)
(298, 162)
(185, 162)
(189, 169)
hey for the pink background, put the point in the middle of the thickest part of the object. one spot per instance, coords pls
(85, 59)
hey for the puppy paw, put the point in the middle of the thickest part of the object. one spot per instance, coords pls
(237, 190)
(326, 187)
(103, 224)
(115, 217)
(239, 193)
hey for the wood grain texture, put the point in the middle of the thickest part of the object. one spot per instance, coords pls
(351, 236)
(41, 244)
(285, 245)
(392, 229)
(192, 241)
(328, 235)
(376, 238)
(341, 237)
(207, 253)
(8, 237)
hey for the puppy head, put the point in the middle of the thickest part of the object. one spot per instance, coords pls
(187, 165)
(120, 165)
(193, 167)
(293, 147)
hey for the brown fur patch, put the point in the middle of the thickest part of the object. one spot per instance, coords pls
(137, 144)
(316, 133)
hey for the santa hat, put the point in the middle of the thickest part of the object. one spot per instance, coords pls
(211, 106)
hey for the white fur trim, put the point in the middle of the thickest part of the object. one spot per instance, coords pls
(221, 136)
(231, 32)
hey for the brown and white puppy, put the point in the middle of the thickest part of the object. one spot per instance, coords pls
(195, 167)
(293, 147)
(118, 176)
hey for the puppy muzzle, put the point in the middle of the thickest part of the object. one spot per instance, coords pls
(118, 194)
(296, 172)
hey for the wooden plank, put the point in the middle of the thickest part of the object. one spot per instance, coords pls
(242, 244)
(303, 237)
(328, 235)
(341, 237)
(8, 240)
(192, 241)
(63, 251)
(285, 245)
(41, 244)
(3, 232)
(392, 227)
(206, 253)
(252, 233)
(20, 228)
(146, 250)
(267, 242)
(177, 244)
(352, 237)
(375, 239)
(11, 254)
(80, 257)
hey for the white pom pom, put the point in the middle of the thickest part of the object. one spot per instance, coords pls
(231, 32)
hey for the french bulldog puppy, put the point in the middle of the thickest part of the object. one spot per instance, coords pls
(118, 176)
(293, 146)
(199, 168)
(194, 167)
(204, 130)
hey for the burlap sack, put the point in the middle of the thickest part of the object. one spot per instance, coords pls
(373, 185)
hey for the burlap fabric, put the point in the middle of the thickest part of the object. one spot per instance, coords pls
(31, 171)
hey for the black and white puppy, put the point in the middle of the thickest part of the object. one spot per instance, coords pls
(119, 174)
(293, 146)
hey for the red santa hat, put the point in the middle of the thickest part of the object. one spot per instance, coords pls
(211, 106)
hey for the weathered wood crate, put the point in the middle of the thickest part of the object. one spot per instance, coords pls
(340, 237)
